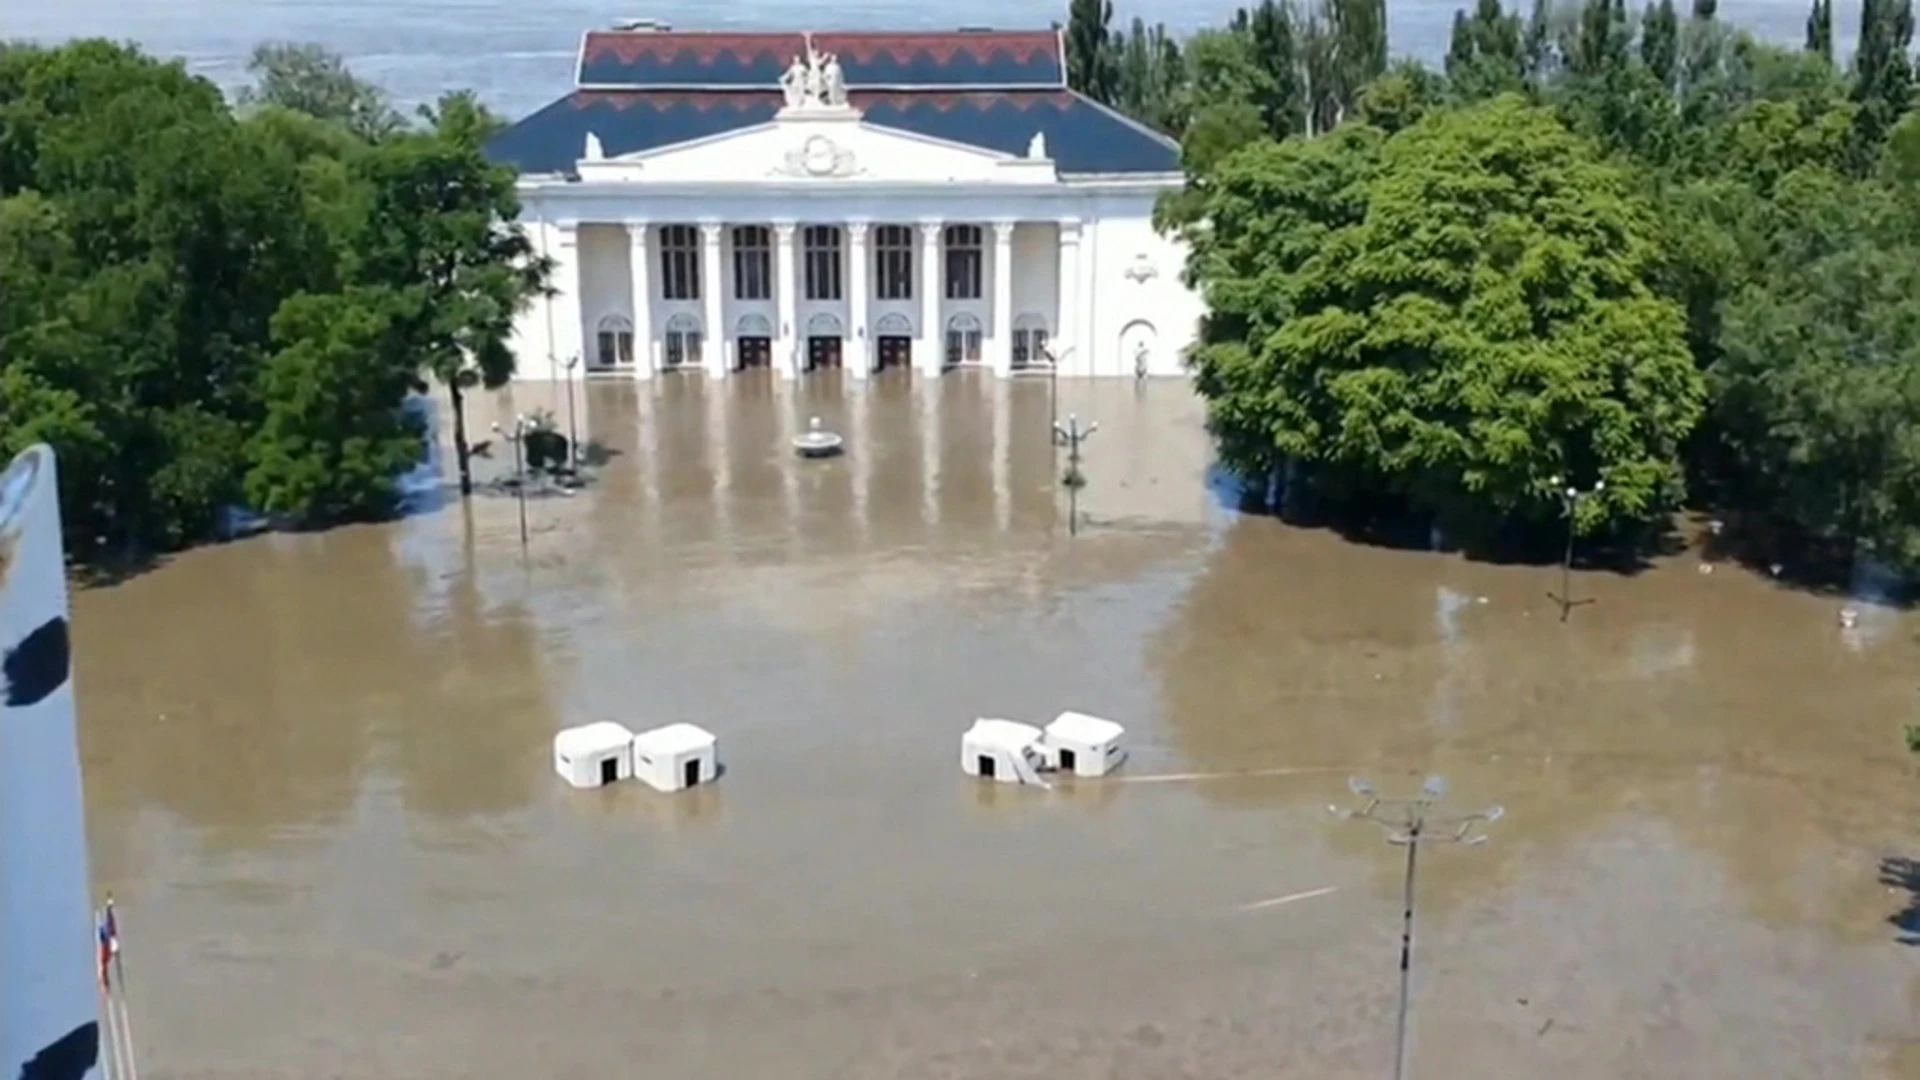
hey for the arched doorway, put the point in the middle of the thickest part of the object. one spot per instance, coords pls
(963, 340)
(613, 344)
(1139, 343)
(823, 341)
(893, 334)
(682, 345)
(1030, 339)
(753, 342)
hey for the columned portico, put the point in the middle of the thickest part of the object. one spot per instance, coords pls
(1000, 347)
(786, 347)
(928, 350)
(713, 347)
(859, 344)
(645, 354)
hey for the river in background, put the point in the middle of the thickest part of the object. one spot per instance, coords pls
(318, 775)
(519, 57)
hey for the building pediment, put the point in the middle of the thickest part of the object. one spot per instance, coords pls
(819, 145)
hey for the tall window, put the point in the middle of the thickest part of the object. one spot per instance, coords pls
(963, 262)
(893, 262)
(1029, 342)
(679, 262)
(683, 341)
(963, 340)
(752, 263)
(614, 343)
(823, 262)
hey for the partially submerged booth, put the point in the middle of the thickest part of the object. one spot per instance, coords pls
(593, 755)
(1083, 745)
(676, 757)
(1003, 750)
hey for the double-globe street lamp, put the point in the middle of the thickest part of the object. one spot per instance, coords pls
(1570, 499)
(519, 440)
(1071, 435)
(1412, 822)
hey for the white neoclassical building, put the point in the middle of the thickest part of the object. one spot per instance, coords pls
(719, 202)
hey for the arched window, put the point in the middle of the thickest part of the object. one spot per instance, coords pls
(823, 324)
(683, 341)
(893, 262)
(822, 247)
(752, 263)
(614, 343)
(753, 326)
(1030, 341)
(964, 259)
(893, 324)
(963, 340)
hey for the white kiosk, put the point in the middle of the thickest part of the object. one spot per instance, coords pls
(1003, 750)
(1083, 745)
(676, 757)
(593, 755)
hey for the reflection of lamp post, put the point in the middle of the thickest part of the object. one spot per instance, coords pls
(1071, 436)
(1570, 497)
(573, 438)
(1412, 822)
(518, 439)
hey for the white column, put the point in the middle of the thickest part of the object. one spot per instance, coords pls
(786, 348)
(1066, 330)
(713, 342)
(568, 335)
(928, 349)
(859, 338)
(639, 271)
(1000, 344)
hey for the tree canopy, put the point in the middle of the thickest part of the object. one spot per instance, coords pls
(203, 306)
(1638, 247)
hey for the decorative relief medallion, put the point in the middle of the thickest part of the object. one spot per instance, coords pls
(1143, 270)
(819, 156)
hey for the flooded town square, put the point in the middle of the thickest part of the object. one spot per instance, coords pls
(319, 777)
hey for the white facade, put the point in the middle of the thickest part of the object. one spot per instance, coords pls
(593, 755)
(676, 757)
(1002, 750)
(1083, 745)
(1027, 264)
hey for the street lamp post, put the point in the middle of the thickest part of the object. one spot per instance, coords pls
(518, 439)
(1053, 387)
(1071, 436)
(573, 438)
(1570, 498)
(1412, 822)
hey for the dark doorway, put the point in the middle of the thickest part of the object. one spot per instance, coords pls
(986, 766)
(1066, 760)
(896, 352)
(609, 770)
(823, 352)
(754, 352)
(691, 772)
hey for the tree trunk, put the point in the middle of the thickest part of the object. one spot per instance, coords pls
(460, 437)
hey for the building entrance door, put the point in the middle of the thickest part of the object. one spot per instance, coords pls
(823, 352)
(755, 352)
(896, 352)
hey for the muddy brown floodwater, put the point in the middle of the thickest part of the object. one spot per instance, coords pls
(318, 778)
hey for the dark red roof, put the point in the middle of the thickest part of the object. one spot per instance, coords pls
(702, 59)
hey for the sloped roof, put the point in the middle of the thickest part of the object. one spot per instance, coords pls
(646, 89)
(1082, 136)
(713, 60)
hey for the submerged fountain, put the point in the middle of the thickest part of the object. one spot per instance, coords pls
(817, 443)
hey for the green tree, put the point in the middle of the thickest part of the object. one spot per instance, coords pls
(1280, 95)
(1820, 30)
(1660, 43)
(334, 437)
(311, 80)
(1451, 316)
(1882, 73)
(1486, 56)
(1093, 63)
(440, 230)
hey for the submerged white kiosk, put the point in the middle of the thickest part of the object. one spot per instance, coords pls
(1003, 750)
(593, 755)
